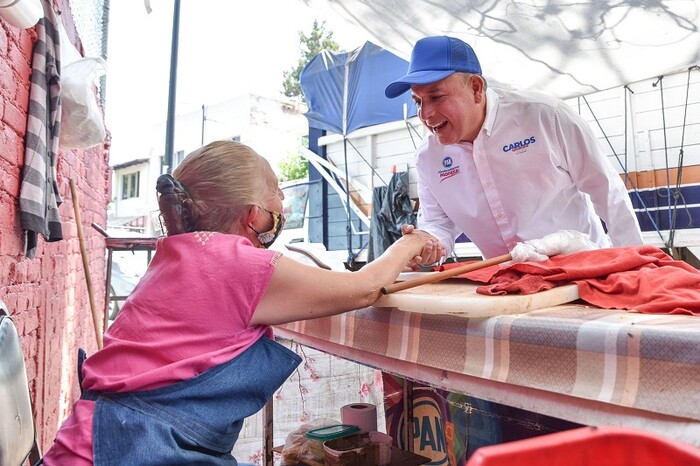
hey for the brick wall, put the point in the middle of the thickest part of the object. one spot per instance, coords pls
(47, 295)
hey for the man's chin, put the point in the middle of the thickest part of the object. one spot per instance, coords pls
(444, 140)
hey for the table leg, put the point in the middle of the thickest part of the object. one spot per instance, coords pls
(108, 283)
(408, 413)
(268, 437)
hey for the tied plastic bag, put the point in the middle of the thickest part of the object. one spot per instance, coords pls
(299, 448)
(81, 119)
(560, 242)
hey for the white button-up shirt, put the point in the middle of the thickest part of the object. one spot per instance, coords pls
(535, 168)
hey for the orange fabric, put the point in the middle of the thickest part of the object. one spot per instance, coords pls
(641, 278)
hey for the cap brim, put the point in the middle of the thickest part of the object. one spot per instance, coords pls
(400, 86)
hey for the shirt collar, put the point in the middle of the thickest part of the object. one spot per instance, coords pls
(491, 109)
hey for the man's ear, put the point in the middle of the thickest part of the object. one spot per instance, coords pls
(476, 84)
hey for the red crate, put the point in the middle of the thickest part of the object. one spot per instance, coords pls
(589, 446)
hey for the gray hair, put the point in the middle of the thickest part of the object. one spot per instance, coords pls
(212, 188)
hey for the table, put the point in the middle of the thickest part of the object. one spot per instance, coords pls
(571, 361)
(121, 244)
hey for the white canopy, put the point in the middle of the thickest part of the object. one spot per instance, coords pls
(563, 47)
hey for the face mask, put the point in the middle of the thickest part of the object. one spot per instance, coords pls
(266, 238)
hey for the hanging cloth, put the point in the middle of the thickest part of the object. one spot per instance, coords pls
(391, 208)
(39, 197)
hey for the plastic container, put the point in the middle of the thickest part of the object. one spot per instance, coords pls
(589, 446)
(332, 432)
(361, 449)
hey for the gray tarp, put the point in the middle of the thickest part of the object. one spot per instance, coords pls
(391, 208)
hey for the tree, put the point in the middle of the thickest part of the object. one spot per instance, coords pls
(319, 39)
(293, 167)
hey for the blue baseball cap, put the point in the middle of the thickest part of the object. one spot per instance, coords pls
(435, 58)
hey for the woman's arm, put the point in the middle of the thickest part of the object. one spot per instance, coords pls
(298, 291)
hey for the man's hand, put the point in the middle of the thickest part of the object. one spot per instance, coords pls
(432, 252)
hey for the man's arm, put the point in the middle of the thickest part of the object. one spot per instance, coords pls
(594, 175)
(433, 220)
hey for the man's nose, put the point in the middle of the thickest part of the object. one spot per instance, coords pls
(424, 112)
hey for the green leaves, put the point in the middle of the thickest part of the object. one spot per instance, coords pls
(310, 45)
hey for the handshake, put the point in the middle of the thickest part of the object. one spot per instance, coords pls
(534, 250)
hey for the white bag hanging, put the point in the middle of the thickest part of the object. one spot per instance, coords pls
(81, 119)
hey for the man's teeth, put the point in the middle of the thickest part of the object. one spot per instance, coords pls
(439, 126)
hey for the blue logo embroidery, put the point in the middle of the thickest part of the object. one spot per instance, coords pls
(519, 146)
(447, 162)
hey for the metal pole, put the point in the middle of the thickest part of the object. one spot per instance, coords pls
(204, 121)
(170, 125)
(348, 226)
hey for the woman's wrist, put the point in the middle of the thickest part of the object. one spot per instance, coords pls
(415, 241)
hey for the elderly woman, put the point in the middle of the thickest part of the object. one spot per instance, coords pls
(191, 354)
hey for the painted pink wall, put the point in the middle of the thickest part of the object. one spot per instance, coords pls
(47, 295)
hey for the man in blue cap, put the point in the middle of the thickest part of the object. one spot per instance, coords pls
(504, 167)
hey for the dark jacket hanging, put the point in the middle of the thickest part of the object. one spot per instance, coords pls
(391, 208)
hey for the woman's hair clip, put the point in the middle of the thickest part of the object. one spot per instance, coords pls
(170, 202)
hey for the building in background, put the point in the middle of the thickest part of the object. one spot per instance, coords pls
(275, 128)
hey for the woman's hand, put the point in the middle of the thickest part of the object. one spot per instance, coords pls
(431, 252)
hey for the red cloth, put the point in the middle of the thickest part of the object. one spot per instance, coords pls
(641, 278)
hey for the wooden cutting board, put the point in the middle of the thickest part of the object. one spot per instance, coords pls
(456, 296)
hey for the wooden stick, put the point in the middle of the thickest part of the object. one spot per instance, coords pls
(439, 276)
(268, 433)
(83, 252)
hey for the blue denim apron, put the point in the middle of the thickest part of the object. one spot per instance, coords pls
(192, 422)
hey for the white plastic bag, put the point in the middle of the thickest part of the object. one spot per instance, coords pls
(299, 448)
(560, 242)
(81, 118)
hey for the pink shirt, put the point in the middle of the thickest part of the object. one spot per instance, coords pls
(189, 312)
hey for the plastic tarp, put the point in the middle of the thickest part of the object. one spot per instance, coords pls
(563, 48)
(345, 90)
(391, 208)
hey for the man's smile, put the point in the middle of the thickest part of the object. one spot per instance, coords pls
(436, 128)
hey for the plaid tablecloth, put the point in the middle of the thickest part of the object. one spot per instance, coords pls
(622, 359)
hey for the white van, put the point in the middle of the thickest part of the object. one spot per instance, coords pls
(296, 212)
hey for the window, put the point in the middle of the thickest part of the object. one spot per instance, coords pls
(179, 157)
(130, 185)
(294, 204)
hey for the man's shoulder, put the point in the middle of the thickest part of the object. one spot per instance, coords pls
(508, 96)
